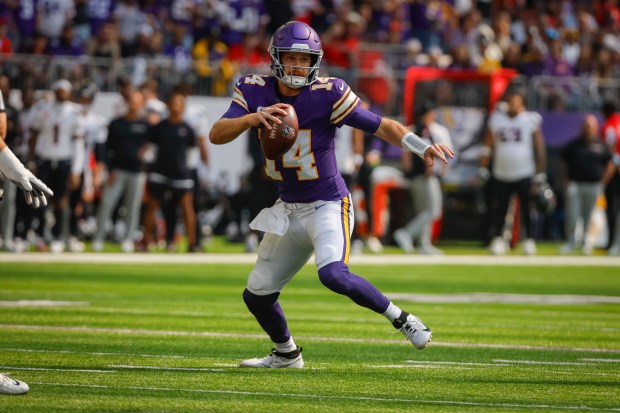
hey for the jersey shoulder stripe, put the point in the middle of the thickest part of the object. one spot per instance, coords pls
(344, 105)
(239, 98)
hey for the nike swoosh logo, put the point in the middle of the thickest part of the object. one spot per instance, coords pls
(341, 87)
(320, 206)
(16, 382)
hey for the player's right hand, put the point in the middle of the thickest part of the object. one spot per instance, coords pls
(266, 115)
(35, 191)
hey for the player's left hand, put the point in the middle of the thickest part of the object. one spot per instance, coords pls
(440, 151)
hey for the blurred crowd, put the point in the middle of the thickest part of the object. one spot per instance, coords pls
(210, 41)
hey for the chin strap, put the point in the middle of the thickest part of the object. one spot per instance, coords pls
(414, 143)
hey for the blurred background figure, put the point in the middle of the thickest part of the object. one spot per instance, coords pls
(82, 200)
(126, 175)
(589, 168)
(424, 186)
(515, 142)
(169, 177)
(57, 142)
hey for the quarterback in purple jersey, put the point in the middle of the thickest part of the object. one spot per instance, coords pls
(314, 212)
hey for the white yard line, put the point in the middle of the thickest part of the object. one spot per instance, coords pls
(385, 259)
(501, 298)
(42, 303)
(601, 360)
(338, 397)
(312, 338)
(536, 362)
(163, 368)
(56, 369)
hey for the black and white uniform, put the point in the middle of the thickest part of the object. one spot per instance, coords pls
(514, 164)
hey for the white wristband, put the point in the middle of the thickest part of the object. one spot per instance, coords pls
(414, 143)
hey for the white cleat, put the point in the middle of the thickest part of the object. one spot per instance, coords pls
(57, 247)
(97, 246)
(374, 245)
(430, 250)
(75, 245)
(416, 332)
(127, 246)
(498, 246)
(276, 360)
(403, 239)
(529, 247)
(12, 386)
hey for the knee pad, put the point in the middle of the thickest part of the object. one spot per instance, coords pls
(335, 276)
(257, 302)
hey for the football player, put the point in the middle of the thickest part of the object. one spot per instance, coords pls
(514, 138)
(57, 141)
(314, 213)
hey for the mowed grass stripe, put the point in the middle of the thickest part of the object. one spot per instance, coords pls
(340, 397)
(298, 337)
(352, 365)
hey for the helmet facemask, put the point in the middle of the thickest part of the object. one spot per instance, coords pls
(295, 37)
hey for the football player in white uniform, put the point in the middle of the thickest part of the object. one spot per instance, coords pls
(58, 141)
(515, 141)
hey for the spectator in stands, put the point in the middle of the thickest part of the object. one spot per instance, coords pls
(58, 142)
(23, 14)
(66, 44)
(213, 68)
(589, 168)
(127, 135)
(53, 15)
(6, 46)
(105, 45)
(169, 176)
(515, 141)
(424, 187)
(129, 20)
(99, 12)
(461, 59)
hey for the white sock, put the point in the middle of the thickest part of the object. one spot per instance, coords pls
(286, 347)
(392, 312)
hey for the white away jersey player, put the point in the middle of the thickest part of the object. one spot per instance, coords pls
(58, 125)
(308, 171)
(513, 144)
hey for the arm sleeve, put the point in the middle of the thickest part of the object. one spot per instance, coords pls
(364, 119)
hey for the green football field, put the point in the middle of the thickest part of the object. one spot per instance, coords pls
(154, 336)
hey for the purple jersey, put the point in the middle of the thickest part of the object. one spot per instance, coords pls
(99, 12)
(24, 16)
(308, 171)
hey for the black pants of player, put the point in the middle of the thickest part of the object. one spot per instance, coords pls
(56, 175)
(170, 211)
(501, 192)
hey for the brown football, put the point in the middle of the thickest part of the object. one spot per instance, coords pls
(276, 141)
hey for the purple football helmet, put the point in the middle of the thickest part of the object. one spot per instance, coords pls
(295, 37)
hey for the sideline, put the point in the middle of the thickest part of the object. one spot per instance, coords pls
(385, 259)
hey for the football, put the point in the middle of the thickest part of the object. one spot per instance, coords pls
(276, 141)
